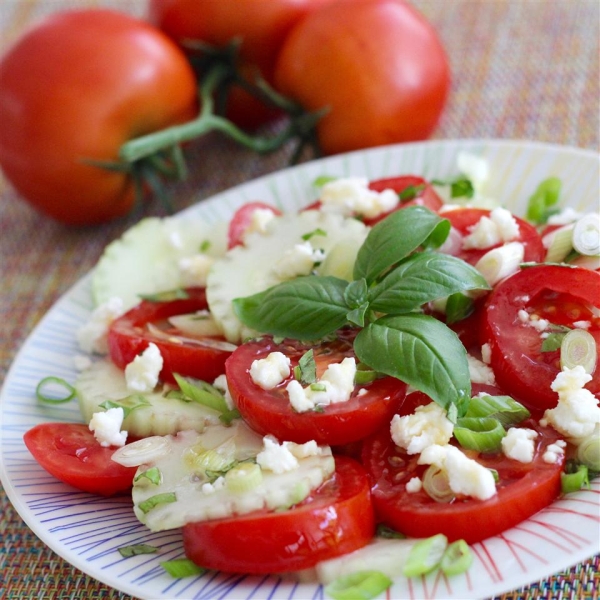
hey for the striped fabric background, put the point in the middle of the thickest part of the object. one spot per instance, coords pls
(523, 69)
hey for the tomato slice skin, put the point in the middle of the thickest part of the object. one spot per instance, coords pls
(335, 519)
(523, 490)
(71, 453)
(270, 411)
(462, 219)
(241, 221)
(425, 194)
(562, 295)
(128, 336)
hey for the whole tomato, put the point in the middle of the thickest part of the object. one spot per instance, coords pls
(261, 26)
(377, 64)
(73, 90)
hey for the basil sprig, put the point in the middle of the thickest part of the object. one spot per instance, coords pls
(395, 274)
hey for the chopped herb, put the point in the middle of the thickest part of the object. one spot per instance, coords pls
(182, 567)
(128, 404)
(311, 234)
(411, 192)
(383, 531)
(127, 551)
(323, 179)
(154, 501)
(205, 246)
(306, 370)
(152, 474)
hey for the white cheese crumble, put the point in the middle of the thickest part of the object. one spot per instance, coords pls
(582, 324)
(141, 374)
(465, 475)
(414, 485)
(194, 269)
(554, 452)
(221, 384)
(577, 411)
(486, 353)
(259, 221)
(566, 216)
(297, 261)
(106, 427)
(270, 371)
(92, 337)
(211, 488)
(499, 227)
(337, 385)
(533, 320)
(519, 444)
(480, 372)
(276, 457)
(427, 426)
(351, 196)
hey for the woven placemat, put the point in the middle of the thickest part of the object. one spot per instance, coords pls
(523, 69)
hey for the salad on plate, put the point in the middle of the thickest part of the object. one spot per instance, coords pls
(352, 393)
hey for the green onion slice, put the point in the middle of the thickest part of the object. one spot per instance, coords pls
(361, 585)
(45, 390)
(502, 408)
(153, 475)
(481, 434)
(243, 477)
(182, 567)
(127, 551)
(578, 348)
(561, 244)
(425, 555)
(588, 452)
(573, 482)
(586, 235)
(128, 404)
(436, 485)
(457, 558)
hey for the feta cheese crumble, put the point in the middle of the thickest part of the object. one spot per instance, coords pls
(554, 452)
(299, 260)
(427, 426)
(194, 269)
(500, 227)
(92, 337)
(351, 196)
(276, 457)
(259, 220)
(480, 372)
(335, 385)
(106, 427)
(141, 374)
(465, 476)
(270, 371)
(577, 411)
(519, 444)
(414, 485)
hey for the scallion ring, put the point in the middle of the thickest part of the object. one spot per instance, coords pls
(182, 567)
(425, 555)
(361, 584)
(484, 434)
(573, 482)
(588, 451)
(51, 382)
(436, 485)
(578, 348)
(586, 235)
(457, 558)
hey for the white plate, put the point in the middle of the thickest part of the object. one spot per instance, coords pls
(87, 530)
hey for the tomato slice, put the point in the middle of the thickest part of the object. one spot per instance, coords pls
(522, 490)
(71, 453)
(562, 295)
(335, 519)
(270, 411)
(463, 219)
(424, 194)
(129, 335)
(242, 219)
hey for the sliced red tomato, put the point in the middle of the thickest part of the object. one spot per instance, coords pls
(522, 490)
(560, 294)
(130, 334)
(418, 192)
(270, 411)
(71, 453)
(242, 219)
(335, 519)
(464, 219)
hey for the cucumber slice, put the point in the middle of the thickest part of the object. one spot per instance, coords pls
(248, 269)
(160, 416)
(145, 259)
(174, 488)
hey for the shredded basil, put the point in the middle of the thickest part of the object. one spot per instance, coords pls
(134, 550)
(182, 567)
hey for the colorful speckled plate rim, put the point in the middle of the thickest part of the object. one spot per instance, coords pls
(87, 530)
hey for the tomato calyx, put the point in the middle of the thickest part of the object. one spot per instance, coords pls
(158, 155)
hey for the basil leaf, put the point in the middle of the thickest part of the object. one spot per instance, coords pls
(458, 307)
(396, 237)
(307, 308)
(356, 293)
(422, 278)
(422, 352)
(306, 370)
(543, 201)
